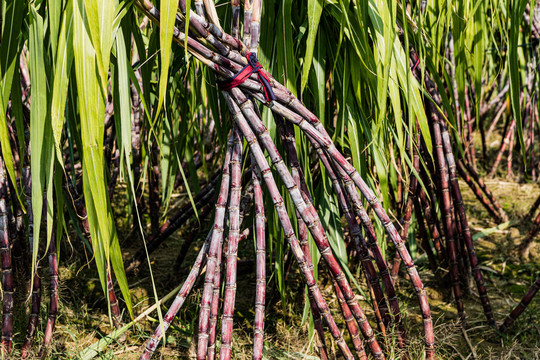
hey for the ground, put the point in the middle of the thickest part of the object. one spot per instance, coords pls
(83, 317)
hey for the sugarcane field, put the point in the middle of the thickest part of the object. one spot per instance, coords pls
(316, 179)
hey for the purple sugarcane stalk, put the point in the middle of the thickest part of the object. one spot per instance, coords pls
(504, 145)
(232, 247)
(53, 294)
(7, 274)
(477, 273)
(214, 248)
(406, 221)
(433, 228)
(260, 258)
(478, 193)
(447, 212)
(521, 306)
(485, 189)
(525, 246)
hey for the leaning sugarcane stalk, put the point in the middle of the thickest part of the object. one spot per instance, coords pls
(478, 193)
(406, 221)
(514, 314)
(178, 301)
(485, 189)
(7, 274)
(525, 246)
(172, 225)
(477, 273)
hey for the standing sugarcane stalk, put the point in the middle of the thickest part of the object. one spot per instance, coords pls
(7, 274)
(260, 258)
(521, 306)
(232, 247)
(433, 228)
(406, 221)
(447, 213)
(36, 288)
(80, 210)
(212, 257)
(53, 294)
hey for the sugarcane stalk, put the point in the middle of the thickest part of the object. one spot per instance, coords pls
(485, 189)
(246, 39)
(214, 248)
(533, 209)
(525, 246)
(232, 248)
(478, 193)
(36, 288)
(255, 26)
(6, 260)
(423, 234)
(433, 228)
(53, 295)
(406, 221)
(260, 272)
(447, 212)
(154, 177)
(214, 307)
(235, 19)
(518, 310)
(308, 275)
(477, 273)
(506, 142)
(499, 113)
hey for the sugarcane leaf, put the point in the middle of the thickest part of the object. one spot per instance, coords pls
(63, 62)
(315, 8)
(13, 15)
(167, 11)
